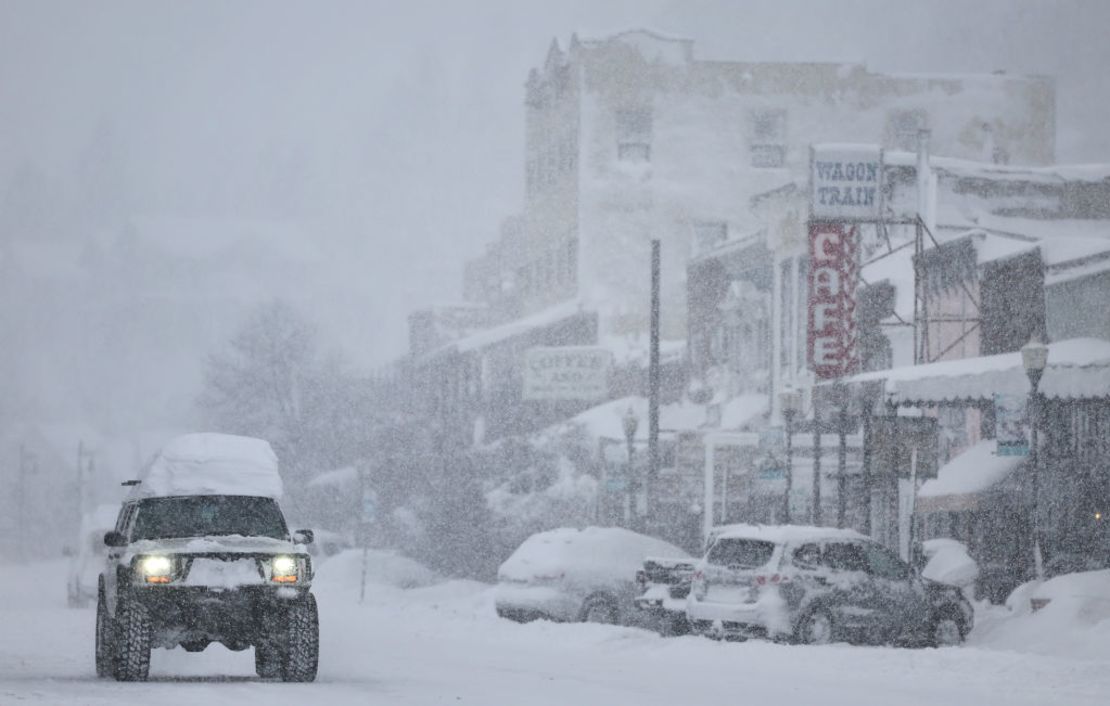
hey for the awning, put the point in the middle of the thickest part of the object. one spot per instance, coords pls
(962, 483)
(1077, 369)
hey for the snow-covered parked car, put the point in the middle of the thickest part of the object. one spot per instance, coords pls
(819, 585)
(88, 559)
(576, 575)
(1084, 593)
(201, 553)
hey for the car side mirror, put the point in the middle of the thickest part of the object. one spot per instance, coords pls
(303, 536)
(114, 539)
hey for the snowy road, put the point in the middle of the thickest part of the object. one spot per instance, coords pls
(443, 645)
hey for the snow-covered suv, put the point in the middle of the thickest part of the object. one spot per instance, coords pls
(816, 585)
(201, 553)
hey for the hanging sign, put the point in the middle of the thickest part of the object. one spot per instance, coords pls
(833, 271)
(846, 182)
(1011, 425)
(566, 373)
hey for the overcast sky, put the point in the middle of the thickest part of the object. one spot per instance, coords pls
(396, 128)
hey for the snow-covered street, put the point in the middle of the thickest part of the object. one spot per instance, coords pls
(444, 644)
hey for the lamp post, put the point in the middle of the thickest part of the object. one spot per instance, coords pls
(1034, 357)
(630, 423)
(790, 401)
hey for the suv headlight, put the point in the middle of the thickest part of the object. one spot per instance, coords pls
(156, 568)
(285, 569)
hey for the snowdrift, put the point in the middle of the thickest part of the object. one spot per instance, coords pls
(383, 567)
(1075, 622)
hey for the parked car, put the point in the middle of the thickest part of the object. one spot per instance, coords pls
(664, 585)
(818, 585)
(86, 561)
(1082, 593)
(571, 575)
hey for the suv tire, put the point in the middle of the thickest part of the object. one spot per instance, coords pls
(105, 639)
(301, 655)
(133, 637)
(816, 628)
(946, 630)
(600, 608)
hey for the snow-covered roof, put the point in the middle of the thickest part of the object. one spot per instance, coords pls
(517, 327)
(335, 478)
(1056, 174)
(1077, 368)
(977, 469)
(213, 464)
(783, 534)
(590, 554)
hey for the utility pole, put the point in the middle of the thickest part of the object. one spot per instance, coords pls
(653, 389)
(816, 467)
(842, 462)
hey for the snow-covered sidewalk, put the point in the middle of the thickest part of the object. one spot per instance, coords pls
(442, 643)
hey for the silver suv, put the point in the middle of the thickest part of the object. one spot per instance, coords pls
(819, 585)
(191, 570)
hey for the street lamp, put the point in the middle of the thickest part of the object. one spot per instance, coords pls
(630, 422)
(790, 401)
(1034, 358)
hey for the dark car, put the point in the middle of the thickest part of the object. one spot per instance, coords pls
(818, 585)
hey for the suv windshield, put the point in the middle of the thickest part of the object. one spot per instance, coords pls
(204, 515)
(743, 553)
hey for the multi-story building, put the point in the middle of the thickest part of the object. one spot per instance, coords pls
(631, 138)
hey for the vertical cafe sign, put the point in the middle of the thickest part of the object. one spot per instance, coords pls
(833, 271)
(845, 191)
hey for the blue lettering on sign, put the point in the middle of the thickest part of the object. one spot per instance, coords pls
(850, 171)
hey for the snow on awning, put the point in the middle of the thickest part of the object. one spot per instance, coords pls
(960, 482)
(1077, 368)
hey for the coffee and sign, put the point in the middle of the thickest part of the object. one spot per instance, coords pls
(566, 373)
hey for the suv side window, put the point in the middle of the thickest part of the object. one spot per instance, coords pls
(123, 525)
(885, 564)
(807, 556)
(845, 556)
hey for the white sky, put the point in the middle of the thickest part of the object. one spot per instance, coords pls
(396, 128)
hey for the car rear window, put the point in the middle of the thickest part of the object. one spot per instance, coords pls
(743, 553)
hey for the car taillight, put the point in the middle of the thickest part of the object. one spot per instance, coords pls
(772, 579)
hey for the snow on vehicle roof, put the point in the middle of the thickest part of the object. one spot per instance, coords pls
(213, 464)
(593, 553)
(783, 534)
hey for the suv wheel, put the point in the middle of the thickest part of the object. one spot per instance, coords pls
(133, 637)
(302, 650)
(947, 632)
(599, 609)
(816, 628)
(105, 639)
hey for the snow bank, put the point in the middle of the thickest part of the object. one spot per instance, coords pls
(1074, 623)
(949, 563)
(593, 554)
(383, 567)
(213, 464)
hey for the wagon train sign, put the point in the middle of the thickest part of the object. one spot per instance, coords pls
(566, 373)
(846, 183)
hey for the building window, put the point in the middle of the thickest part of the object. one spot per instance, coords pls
(709, 234)
(768, 143)
(634, 132)
(902, 128)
